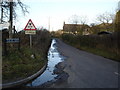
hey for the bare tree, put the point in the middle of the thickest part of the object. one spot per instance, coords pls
(5, 8)
(106, 18)
(8, 10)
(83, 20)
(74, 19)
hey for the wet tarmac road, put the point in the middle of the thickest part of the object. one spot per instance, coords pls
(87, 70)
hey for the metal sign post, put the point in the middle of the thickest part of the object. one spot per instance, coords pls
(30, 41)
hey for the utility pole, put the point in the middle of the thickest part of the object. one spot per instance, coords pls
(30, 41)
(11, 18)
(1, 15)
(1, 12)
(49, 24)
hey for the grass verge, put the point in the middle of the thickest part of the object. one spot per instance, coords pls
(20, 64)
(101, 52)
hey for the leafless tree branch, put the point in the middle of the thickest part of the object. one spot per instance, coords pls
(5, 4)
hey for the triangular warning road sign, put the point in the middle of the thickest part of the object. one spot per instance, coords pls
(30, 25)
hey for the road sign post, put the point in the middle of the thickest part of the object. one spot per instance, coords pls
(30, 41)
(31, 30)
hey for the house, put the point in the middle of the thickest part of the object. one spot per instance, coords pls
(82, 29)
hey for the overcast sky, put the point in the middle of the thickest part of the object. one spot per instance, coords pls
(58, 11)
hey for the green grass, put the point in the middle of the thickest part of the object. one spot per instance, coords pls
(101, 52)
(19, 64)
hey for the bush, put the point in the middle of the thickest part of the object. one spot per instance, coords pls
(117, 22)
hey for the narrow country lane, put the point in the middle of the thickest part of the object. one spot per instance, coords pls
(87, 70)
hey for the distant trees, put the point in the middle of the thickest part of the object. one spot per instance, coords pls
(117, 21)
(75, 19)
(106, 18)
(106, 21)
(83, 20)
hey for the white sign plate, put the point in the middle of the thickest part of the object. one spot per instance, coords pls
(30, 32)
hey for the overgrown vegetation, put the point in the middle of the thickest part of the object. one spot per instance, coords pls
(20, 64)
(117, 22)
(104, 45)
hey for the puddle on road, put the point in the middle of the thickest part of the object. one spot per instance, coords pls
(54, 58)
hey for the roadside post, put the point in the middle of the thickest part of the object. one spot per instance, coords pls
(31, 30)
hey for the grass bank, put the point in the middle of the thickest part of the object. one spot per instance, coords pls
(19, 64)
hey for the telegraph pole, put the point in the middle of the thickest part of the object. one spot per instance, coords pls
(1, 12)
(49, 24)
(11, 18)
